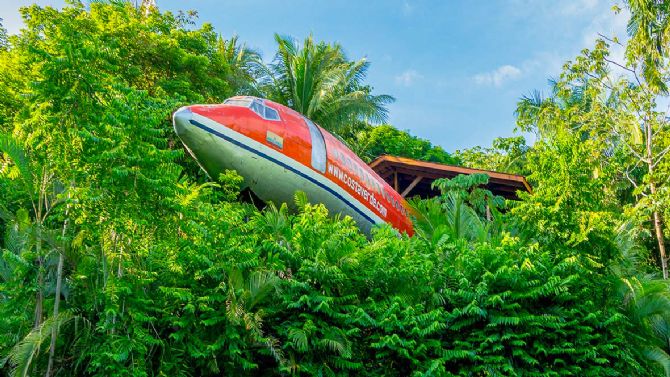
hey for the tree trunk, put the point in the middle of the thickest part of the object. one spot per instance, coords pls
(54, 328)
(658, 228)
(39, 299)
(658, 221)
(59, 283)
(38, 250)
(39, 296)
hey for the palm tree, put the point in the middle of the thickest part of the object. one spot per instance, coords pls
(645, 303)
(245, 64)
(317, 80)
(531, 108)
(643, 299)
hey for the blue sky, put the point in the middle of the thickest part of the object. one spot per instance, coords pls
(456, 68)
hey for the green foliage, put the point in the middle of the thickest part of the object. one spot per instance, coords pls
(317, 80)
(650, 33)
(568, 174)
(244, 63)
(457, 214)
(167, 274)
(370, 142)
(507, 155)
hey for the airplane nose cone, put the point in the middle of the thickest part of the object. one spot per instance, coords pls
(181, 120)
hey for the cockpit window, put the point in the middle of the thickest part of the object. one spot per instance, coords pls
(258, 108)
(256, 105)
(271, 113)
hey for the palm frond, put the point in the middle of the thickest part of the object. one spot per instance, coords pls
(260, 285)
(317, 80)
(299, 338)
(659, 357)
(24, 353)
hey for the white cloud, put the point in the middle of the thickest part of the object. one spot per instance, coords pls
(407, 8)
(408, 77)
(601, 21)
(498, 76)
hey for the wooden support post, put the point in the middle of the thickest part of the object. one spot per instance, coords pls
(411, 186)
(395, 181)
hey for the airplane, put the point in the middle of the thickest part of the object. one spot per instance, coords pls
(279, 151)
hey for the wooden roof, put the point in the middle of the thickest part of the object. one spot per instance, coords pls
(413, 177)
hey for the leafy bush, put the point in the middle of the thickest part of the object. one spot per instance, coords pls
(118, 260)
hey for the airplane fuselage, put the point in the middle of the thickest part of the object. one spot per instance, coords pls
(279, 151)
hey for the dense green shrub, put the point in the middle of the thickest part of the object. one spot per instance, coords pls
(113, 247)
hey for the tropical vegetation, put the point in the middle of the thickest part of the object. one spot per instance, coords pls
(119, 257)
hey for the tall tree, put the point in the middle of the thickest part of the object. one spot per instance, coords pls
(506, 154)
(246, 65)
(90, 92)
(647, 61)
(317, 80)
(370, 142)
(614, 107)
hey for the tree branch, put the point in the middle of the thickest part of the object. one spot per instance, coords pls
(610, 39)
(626, 173)
(660, 156)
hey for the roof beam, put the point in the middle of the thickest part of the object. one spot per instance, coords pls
(399, 171)
(411, 185)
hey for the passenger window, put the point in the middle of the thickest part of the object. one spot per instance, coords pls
(319, 157)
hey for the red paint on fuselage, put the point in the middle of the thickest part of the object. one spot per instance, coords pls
(344, 167)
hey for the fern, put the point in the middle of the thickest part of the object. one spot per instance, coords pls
(16, 153)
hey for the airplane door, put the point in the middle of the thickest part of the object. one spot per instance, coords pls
(319, 157)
